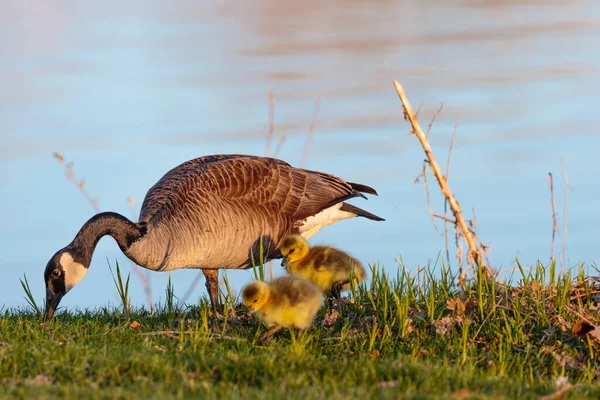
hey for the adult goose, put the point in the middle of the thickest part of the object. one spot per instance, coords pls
(213, 212)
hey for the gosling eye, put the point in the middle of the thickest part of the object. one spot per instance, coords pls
(56, 273)
(291, 251)
(255, 300)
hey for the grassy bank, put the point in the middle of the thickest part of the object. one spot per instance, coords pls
(408, 336)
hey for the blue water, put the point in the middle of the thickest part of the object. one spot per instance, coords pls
(128, 91)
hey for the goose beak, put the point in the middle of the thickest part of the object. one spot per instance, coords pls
(285, 262)
(52, 301)
(249, 312)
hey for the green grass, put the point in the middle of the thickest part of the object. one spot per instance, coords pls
(401, 337)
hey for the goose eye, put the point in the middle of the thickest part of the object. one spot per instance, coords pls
(291, 251)
(56, 273)
(255, 300)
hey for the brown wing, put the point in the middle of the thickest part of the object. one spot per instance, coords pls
(173, 181)
(295, 193)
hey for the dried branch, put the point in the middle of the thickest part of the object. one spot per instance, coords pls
(313, 125)
(271, 122)
(565, 215)
(454, 205)
(554, 224)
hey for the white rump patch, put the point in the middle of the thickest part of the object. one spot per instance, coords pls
(74, 271)
(326, 217)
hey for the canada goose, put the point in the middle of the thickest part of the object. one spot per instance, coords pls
(213, 212)
(285, 302)
(327, 267)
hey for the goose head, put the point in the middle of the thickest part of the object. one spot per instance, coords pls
(293, 248)
(255, 295)
(64, 270)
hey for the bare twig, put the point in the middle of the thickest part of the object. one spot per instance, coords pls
(190, 289)
(565, 215)
(554, 224)
(446, 200)
(271, 122)
(313, 125)
(431, 214)
(280, 142)
(454, 205)
(419, 109)
(437, 113)
(79, 183)
(444, 218)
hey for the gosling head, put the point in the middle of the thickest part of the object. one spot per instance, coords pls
(64, 270)
(255, 295)
(293, 248)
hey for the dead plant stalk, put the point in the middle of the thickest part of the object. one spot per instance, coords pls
(554, 224)
(442, 181)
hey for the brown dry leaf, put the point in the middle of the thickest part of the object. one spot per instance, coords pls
(586, 328)
(135, 325)
(456, 305)
(374, 354)
(330, 317)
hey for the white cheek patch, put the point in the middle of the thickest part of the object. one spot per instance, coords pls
(74, 271)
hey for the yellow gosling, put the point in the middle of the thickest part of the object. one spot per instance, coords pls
(285, 302)
(327, 267)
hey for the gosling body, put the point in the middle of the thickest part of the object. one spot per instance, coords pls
(329, 268)
(285, 302)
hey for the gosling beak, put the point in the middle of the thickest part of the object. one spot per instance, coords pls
(285, 262)
(250, 311)
(52, 301)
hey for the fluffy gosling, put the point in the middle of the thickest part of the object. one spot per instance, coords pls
(327, 267)
(285, 302)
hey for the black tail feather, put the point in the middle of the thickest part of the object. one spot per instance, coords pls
(363, 188)
(360, 212)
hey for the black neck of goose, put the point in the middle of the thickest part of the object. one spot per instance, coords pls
(120, 228)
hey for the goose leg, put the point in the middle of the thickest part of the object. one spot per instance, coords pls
(212, 285)
(337, 288)
(269, 333)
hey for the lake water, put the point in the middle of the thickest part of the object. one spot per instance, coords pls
(128, 90)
